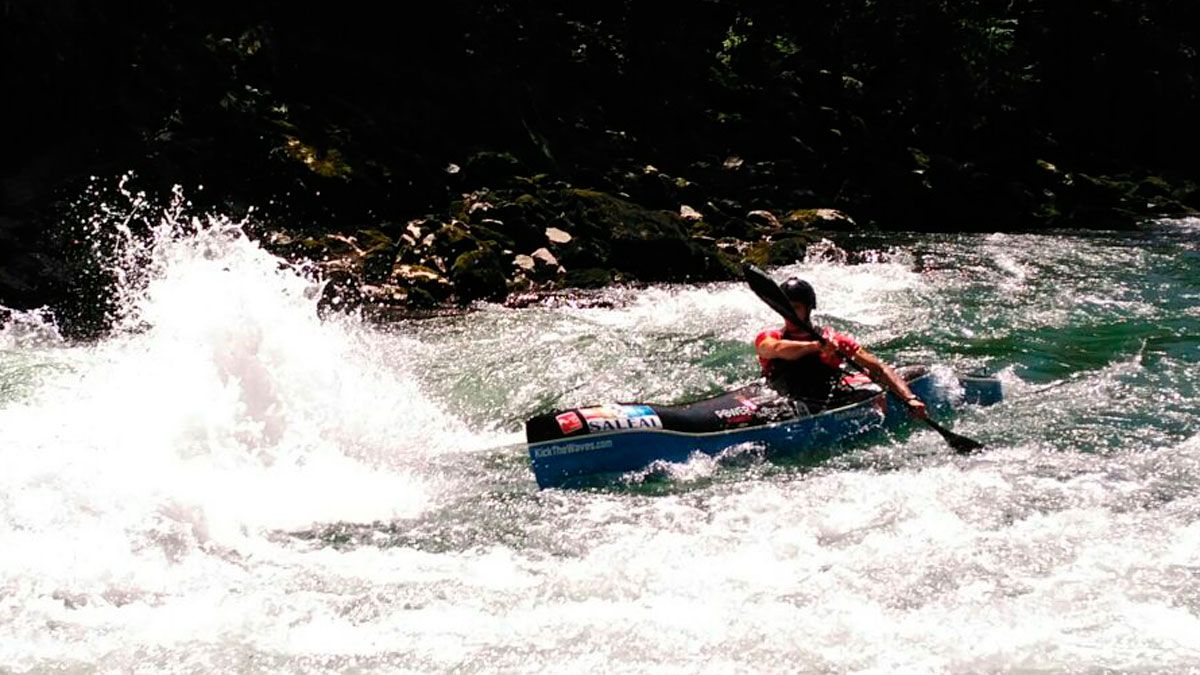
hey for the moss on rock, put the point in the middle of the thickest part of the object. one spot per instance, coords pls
(588, 277)
(824, 219)
(781, 251)
(479, 274)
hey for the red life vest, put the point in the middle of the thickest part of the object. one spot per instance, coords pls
(812, 379)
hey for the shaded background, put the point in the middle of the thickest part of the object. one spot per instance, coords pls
(978, 115)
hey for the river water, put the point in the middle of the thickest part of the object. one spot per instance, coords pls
(229, 484)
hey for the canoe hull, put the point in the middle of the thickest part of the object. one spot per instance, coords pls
(561, 461)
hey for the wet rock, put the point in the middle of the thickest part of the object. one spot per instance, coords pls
(764, 219)
(723, 218)
(387, 295)
(1190, 196)
(414, 274)
(524, 262)
(823, 219)
(1097, 202)
(474, 205)
(653, 188)
(427, 283)
(548, 267)
(735, 249)
(1097, 190)
(418, 244)
(453, 239)
(645, 244)
(782, 251)
(588, 277)
(524, 220)
(378, 253)
(342, 293)
(536, 268)
(332, 251)
(493, 169)
(1167, 207)
(545, 257)
(557, 236)
(479, 275)
(421, 299)
(1152, 187)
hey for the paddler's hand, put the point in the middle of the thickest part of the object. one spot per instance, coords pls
(916, 407)
(829, 354)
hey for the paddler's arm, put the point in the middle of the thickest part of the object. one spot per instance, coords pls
(882, 372)
(788, 350)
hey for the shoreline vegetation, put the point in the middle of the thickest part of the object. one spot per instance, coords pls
(508, 151)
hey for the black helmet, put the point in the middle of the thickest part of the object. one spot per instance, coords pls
(799, 290)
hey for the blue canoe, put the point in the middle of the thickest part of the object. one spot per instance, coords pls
(567, 445)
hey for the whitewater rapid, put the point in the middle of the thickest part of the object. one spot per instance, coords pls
(228, 483)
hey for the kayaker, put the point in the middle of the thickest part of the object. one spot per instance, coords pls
(797, 365)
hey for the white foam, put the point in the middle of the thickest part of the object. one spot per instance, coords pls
(221, 410)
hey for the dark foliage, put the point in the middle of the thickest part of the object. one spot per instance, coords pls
(906, 114)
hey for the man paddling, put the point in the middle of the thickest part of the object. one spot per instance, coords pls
(797, 364)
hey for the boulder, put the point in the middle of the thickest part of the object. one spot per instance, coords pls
(588, 277)
(557, 236)
(493, 169)
(541, 265)
(819, 219)
(645, 244)
(333, 246)
(525, 262)
(1190, 196)
(782, 251)
(479, 275)
(378, 253)
(689, 214)
(1151, 187)
(1098, 190)
(1098, 202)
(521, 220)
(342, 293)
(424, 285)
(453, 239)
(723, 218)
(764, 219)
(651, 187)
(545, 257)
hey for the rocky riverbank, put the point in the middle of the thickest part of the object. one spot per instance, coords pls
(538, 239)
(509, 151)
(523, 244)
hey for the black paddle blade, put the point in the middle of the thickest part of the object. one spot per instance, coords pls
(769, 292)
(961, 444)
